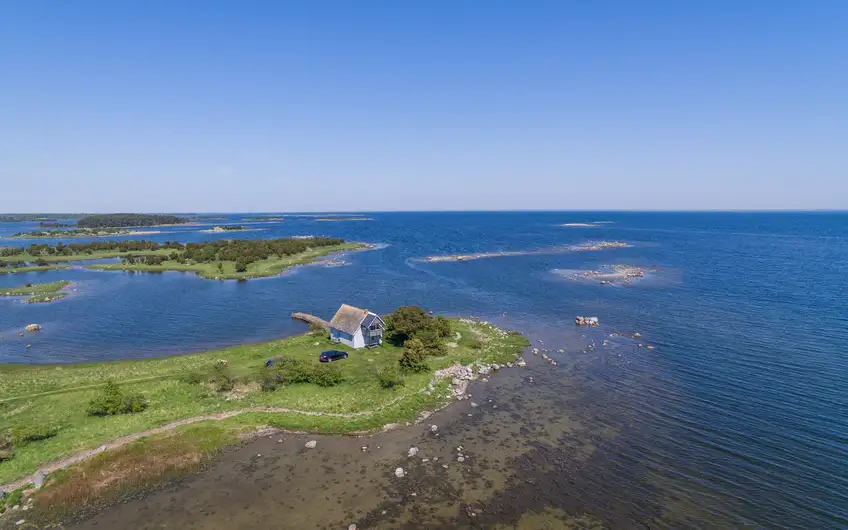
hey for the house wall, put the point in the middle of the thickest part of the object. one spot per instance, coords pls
(358, 339)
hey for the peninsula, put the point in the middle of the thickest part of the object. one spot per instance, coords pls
(188, 406)
(224, 260)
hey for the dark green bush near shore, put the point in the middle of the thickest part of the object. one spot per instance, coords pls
(113, 401)
(409, 322)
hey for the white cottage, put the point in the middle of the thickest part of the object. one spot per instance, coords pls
(357, 328)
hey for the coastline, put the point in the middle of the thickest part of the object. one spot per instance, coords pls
(371, 411)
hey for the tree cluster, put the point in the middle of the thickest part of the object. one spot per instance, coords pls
(420, 334)
(121, 220)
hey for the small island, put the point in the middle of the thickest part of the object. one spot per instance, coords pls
(123, 220)
(585, 247)
(222, 260)
(342, 219)
(228, 228)
(39, 292)
(608, 274)
(81, 233)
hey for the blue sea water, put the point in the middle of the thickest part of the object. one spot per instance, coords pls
(737, 418)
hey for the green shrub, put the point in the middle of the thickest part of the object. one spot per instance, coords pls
(413, 357)
(194, 377)
(442, 326)
(326, 375)
(432, 343)
(113, 401)
(389, 378)
(223, 379)
(22, 434)
(6, 452)
(474, 343)
(284, 372)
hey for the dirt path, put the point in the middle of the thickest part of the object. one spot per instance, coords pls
(123, 440)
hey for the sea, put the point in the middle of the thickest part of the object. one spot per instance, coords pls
(713, 394)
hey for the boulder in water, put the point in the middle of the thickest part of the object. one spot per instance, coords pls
(586, 321)
(33, 327)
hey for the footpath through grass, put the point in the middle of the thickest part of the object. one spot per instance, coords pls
(49, 403)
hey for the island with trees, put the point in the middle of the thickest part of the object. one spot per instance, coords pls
(230, 259)
(79, 233)
(199, 403)
(34, 217)
(123, 220)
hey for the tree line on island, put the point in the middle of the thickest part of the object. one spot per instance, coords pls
(123, 220)
(242, 252)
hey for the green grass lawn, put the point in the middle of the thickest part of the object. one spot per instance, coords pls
(268, 267)
(57, 396)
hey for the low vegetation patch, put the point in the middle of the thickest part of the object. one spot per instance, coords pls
(112, 400)
(143, 463)
(39, 292)
(94, 403)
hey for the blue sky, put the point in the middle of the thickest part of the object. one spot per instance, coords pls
(430, 105)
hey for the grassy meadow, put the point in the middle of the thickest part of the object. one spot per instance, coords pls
(54, 399)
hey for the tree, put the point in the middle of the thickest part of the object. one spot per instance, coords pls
(442, 326)
(413, 357)
(241, 265)
(432, 343)
(405, 322)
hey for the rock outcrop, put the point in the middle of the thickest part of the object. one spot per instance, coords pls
(586, 321)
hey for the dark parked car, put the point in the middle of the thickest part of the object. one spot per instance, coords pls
(332, 355)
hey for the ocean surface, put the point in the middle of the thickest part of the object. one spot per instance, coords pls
(736, 418)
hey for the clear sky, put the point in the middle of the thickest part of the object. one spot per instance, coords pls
(429, 105)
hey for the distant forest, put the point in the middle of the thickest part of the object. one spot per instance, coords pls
(242, 252)
(122, 220)
(44, 217)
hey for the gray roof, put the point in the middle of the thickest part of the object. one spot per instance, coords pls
(348, 318)
(369, 320)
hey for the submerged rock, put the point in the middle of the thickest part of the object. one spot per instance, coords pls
(412, 452)
(311, 444)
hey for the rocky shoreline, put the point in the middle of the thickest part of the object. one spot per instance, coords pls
(585, 247)
(610, 274)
